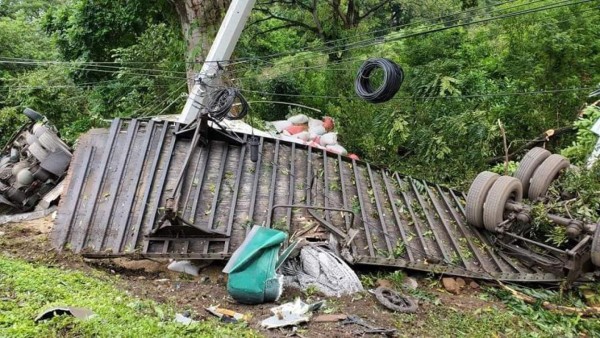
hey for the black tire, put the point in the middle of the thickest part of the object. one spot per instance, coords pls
(33, 115)
(395, 301)
(505, 189)
(595, 250)
(477, 195)
(528, 165)
(543, 176)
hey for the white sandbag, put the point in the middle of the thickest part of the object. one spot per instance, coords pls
(304, 136)
(314, 123)
(281, 125)
(338, 149)
(317, 130)
(328, 139)
(298, 119)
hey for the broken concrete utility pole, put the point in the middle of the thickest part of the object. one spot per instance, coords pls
(220, 51)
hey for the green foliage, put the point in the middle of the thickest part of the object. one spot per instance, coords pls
(396, 279)
(581, 190)
(586, 139)
(11, 119)
(90, 30)
(573, 195)
(500, 168)
(146, 77)
(28, 289)
(547, 323)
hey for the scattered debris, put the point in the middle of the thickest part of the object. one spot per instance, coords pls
(184, 318)
(223, 313)
(394, 301)
(51, 197)
(321, 268)
(77, 312)
(370, 329)
(251, 268)
(588, 311)
(410, 283)
(326, 318)
(451, 285)
(184, 267)
(383, 282)
(292, 313)
(29, 216)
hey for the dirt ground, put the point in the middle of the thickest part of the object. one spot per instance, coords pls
(151, 280)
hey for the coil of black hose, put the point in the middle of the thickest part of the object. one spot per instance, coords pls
(222, 102)
(393, 75)
(243, 111)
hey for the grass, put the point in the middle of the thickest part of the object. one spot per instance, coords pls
(444, 321)
(551, 324)
(27, 289)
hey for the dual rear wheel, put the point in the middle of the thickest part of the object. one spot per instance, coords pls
(487, 198)
(489, 193)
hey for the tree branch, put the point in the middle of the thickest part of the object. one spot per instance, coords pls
(373, 9)
(544, 137)
(290, 21)
(273, 29)
(335, 4)
(584, 312)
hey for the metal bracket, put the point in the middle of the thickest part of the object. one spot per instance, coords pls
(345, 237)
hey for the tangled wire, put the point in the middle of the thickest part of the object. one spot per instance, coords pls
(393, 76)
(222, 104)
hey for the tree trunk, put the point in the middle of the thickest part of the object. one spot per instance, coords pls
(200, 21)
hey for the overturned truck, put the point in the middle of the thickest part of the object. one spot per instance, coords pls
(32, 163)
(146, 188)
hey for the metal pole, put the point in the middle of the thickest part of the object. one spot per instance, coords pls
(221, 50)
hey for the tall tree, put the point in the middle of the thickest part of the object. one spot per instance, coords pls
(200, 20)
(327, 20)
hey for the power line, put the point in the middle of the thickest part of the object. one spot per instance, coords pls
(153, 111)
(376, 41)
(77, 86)
(365, 43)
(82, 66)
(354, 45)
(361, 58)
(501, 94)
(431, 20)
